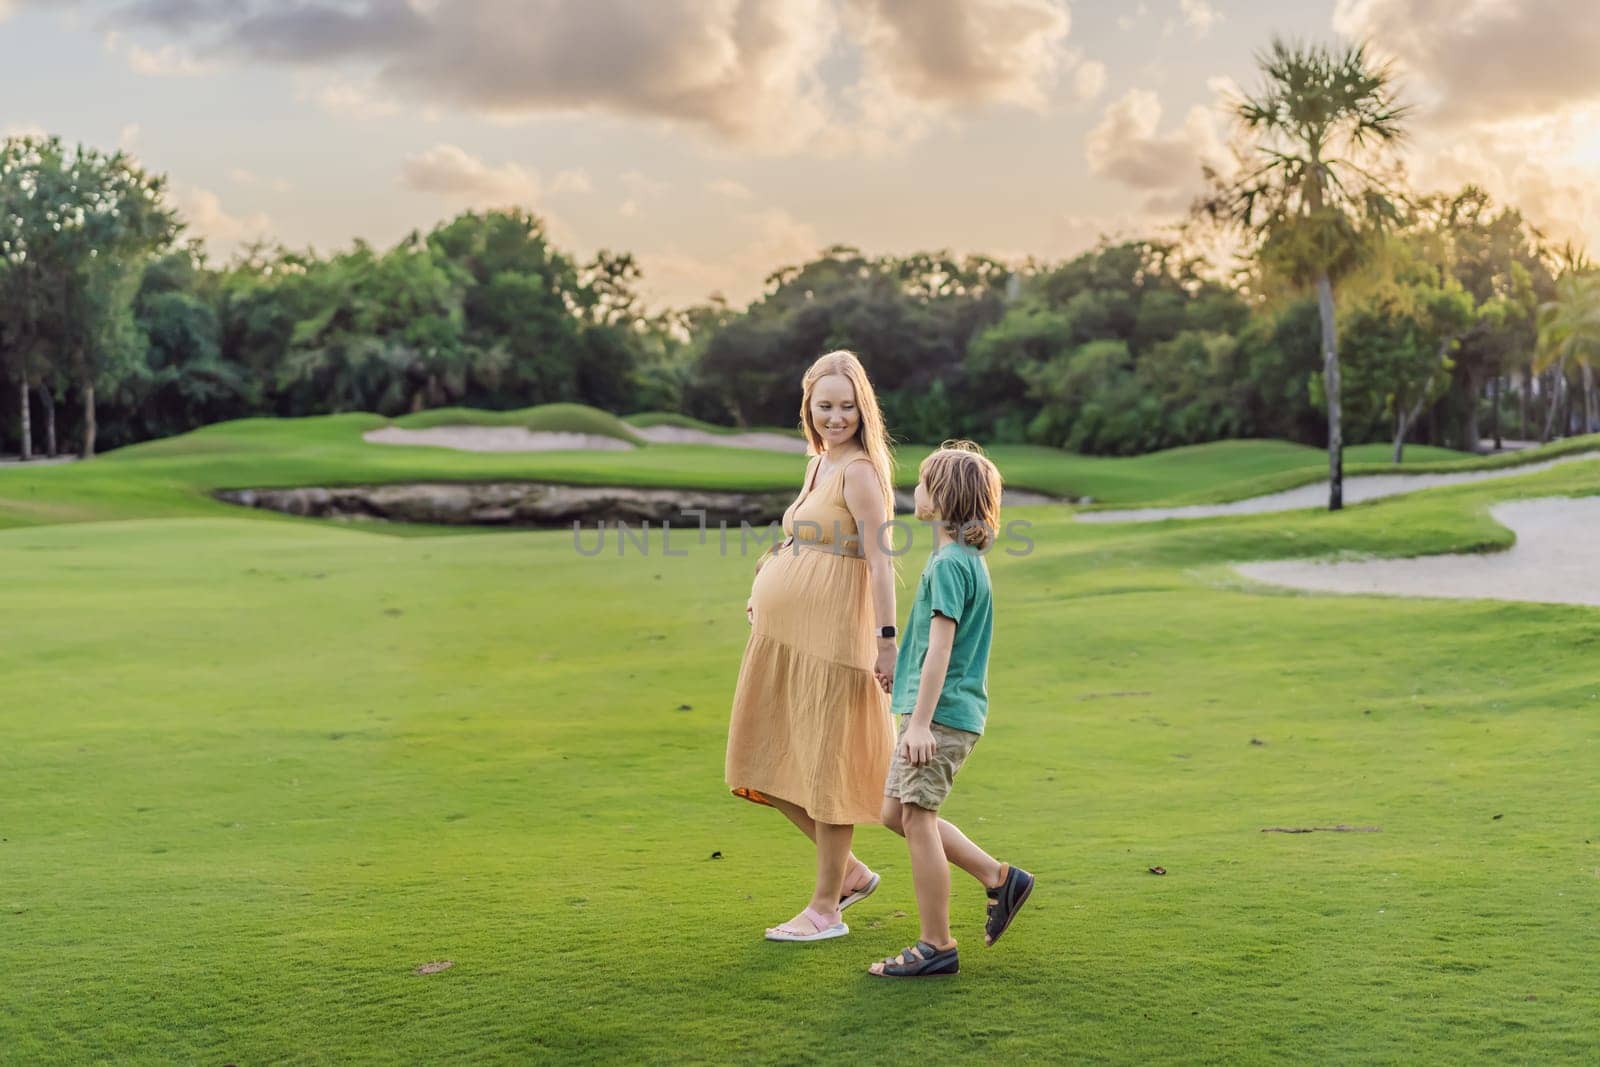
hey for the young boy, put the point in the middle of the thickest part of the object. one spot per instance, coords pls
(941, 696)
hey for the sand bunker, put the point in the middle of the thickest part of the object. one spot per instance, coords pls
(1356, 490)
(1556, 560)
(495, 439)
(682, 435)
(36, 461)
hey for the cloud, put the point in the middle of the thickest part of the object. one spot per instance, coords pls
(348, 99)
(1128, 147)
(128, 137)
(1549, 168)
(962, 52)
(642, 186)
(452, 172)
(1564, 201)
(249, 178)
(1089, 80)
(745, 72)
(727, 187)
(925, 63)
(1468, 60)
(168, 61)
(571, 181)
(1507, 95)
(1130, 19)
(775, 239)
(1065, 236)
(1199, 15)
(223, 231)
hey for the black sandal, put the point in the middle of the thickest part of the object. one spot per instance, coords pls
(921, 960)
(1005, 901)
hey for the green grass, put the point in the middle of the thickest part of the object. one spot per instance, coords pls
(257, 771)
(172, 478)
(1211, 473)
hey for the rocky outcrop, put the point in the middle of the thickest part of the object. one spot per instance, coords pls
(514, 503)
(531, 503)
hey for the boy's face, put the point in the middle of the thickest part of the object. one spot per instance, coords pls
(923, 503)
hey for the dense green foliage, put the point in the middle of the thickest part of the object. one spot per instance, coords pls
(1125, 349)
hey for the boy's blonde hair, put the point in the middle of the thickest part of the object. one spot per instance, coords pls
(964, 489)
(871, 433)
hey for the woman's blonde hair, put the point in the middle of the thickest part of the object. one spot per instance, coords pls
(964, 490)
(870, 431)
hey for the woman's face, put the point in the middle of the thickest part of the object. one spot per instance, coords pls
(833, 409)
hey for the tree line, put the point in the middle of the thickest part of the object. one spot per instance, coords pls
(1455, 317)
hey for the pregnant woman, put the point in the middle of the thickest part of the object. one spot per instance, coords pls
(811, 734)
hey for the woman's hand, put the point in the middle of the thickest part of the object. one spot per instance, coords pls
(883, 669)
(917, 745)
(750, 610)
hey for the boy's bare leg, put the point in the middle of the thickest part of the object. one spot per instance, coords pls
(857, 874)
(958, 849)
(930, 873)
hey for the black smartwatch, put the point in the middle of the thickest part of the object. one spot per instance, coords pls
(886, 631)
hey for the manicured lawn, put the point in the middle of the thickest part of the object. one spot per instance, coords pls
(258, 770)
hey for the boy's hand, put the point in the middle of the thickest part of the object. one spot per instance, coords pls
(883, 669)
(917, 745)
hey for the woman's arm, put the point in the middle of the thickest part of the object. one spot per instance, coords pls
(864, 498)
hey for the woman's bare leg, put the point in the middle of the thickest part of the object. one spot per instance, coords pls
(833, 852)
(857, 874)
(833, 846)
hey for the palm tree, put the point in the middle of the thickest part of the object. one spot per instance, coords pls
(1309, 193)
(1569, 334)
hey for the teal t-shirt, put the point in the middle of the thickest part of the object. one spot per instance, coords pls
(955, 583)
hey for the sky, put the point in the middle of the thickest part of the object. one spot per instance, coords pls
(718, 140)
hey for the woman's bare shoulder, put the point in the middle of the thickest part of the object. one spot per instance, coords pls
(860, 472)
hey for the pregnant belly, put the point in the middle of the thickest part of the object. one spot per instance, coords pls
(816, 601)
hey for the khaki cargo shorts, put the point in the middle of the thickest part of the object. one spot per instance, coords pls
(927, 786)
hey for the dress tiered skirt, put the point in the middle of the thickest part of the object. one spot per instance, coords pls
(810, 724)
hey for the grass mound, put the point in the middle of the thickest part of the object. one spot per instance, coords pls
(541, 418)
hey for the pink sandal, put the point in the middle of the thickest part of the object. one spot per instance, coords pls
(861, 894)
(822, 929)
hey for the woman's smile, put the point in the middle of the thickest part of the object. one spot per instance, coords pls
(833, 409)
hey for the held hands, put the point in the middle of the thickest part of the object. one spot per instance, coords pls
(917, 745)
(883, 669)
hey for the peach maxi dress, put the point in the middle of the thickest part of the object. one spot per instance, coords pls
(810, 724)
